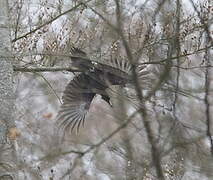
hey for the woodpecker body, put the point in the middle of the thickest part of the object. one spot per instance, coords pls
(95, 79)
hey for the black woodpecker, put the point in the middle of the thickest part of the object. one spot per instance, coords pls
(95, 79)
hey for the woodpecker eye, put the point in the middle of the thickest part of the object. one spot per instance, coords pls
(94, 63)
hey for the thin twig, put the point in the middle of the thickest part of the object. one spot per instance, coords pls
(176, 57)
(193, 67)
(50, 86)
(206, 27)
(102, 141)
(50, 21)
(123, 125)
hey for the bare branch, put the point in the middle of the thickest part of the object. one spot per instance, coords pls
(178, 51)
(155, 154)
(44, 69)
(193, 67)
(206, 26)
(206, 98)
(123, 125)
(101, 142)
(176, 57)
(50, 21)
(50, 86)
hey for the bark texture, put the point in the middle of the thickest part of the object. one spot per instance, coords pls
(7, 155)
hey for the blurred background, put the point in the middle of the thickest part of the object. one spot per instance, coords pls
(171, 39)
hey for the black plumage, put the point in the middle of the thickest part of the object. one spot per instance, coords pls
(95, 79)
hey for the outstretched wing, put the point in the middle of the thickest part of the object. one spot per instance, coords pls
(116, 67)
(77, 98)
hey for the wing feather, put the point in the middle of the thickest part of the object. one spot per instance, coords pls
(77, 98)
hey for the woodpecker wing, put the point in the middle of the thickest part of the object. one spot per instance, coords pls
(115, 67)
(77, 98)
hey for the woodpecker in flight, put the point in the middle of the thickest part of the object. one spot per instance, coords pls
(94, 79)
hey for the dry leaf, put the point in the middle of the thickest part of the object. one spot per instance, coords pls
(13, 133)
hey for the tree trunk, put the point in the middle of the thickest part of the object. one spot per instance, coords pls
(7, 122)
